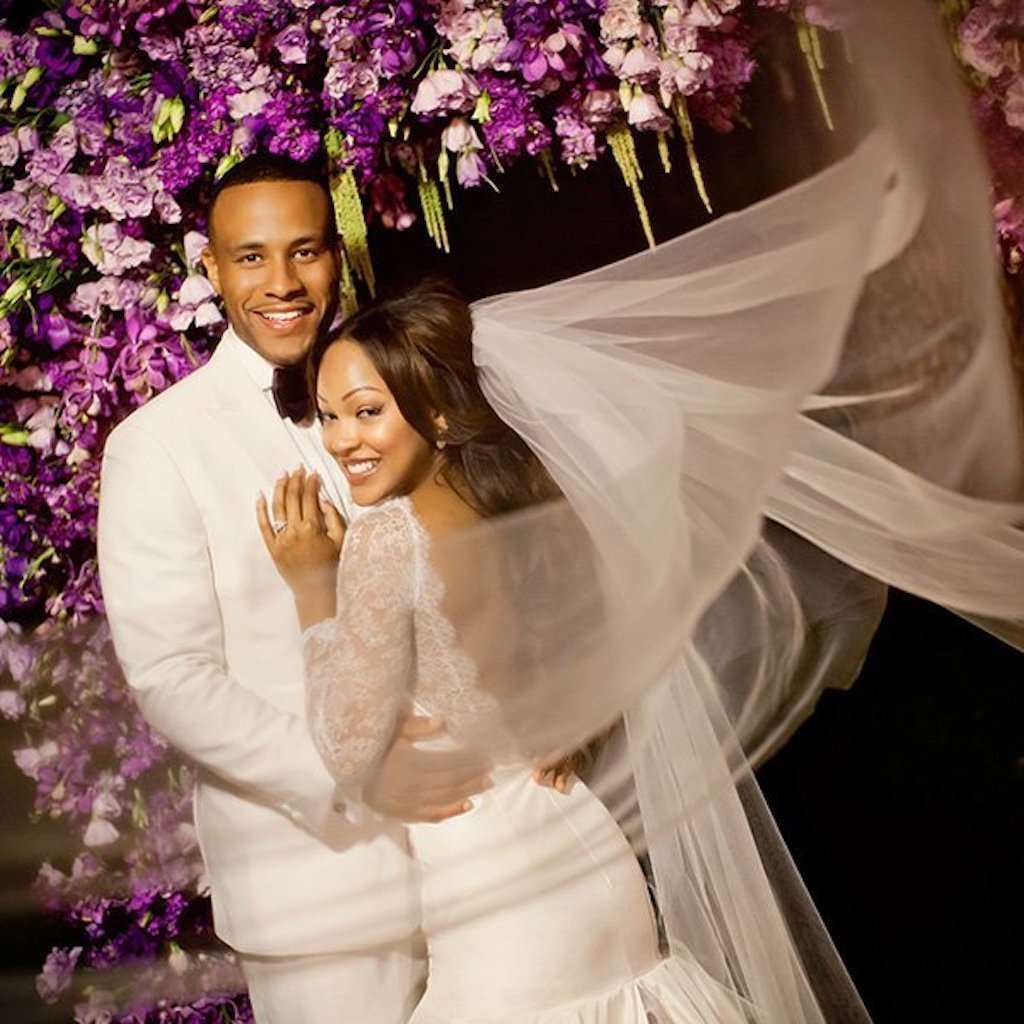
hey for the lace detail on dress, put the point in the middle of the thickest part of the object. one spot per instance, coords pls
(390, 645)
(359, 665)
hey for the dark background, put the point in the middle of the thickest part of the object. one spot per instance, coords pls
(900, 798)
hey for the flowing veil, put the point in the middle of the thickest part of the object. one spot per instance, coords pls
(757, 427)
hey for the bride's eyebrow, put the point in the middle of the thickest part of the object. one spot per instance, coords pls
(362, 387)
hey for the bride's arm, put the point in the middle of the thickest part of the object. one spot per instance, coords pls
(359, 663)
(356, 620)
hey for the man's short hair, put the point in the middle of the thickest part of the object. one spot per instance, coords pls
(273, 167)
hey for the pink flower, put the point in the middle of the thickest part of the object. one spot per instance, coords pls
(246, 104)
(31, 759)
(195, 243)
(111, 251)
(100, 833)
(1013, 107)
(12, 704)
(195, 290)
(640, 65)
(683, 77)
(10, 151)
(42, 425)
(470, 169)
(445, 90)
(106, 293)
(621, 20)
(600, 107)
(57, 973)
(459, 135)
(647, 114)
(77, 191)
(980, 45)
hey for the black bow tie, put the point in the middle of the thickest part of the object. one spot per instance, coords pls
(291, 397)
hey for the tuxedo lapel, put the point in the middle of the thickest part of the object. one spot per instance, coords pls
(243, 410)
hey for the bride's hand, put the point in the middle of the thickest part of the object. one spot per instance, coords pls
(559, 774)
(304, 539)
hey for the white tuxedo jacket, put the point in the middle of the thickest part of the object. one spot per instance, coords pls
(209, 640)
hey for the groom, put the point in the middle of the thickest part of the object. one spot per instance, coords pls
(321, 910)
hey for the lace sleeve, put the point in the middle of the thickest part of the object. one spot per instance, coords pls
(358, 665)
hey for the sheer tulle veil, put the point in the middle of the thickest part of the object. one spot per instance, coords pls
(756, 426)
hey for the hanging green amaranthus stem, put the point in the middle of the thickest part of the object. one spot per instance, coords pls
(348, 215)
(620, 139)
(810, 44)
(686, 129)
(433, 209)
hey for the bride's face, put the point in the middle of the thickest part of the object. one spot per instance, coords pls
(379, 452)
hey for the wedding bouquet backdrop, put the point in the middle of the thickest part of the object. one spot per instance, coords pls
(115, 117)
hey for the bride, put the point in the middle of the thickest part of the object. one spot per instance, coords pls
(563, 500)
(426, 455)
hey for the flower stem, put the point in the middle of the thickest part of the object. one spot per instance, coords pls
(810, 44)
(623, 148)
(348, 213)
(686, 128)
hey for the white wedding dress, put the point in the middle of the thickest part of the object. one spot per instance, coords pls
(534, 906)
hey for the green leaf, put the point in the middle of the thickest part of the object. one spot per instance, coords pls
(482, 111)
(84, 47)
(176, 115)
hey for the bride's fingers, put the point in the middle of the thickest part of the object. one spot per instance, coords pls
(277, 500)
(416, 727)
(293, 497)
(263, 518)
(439, 814)
(333, 522)
(310, 498)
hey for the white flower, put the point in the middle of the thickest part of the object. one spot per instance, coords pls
(100, 833)
(244, 104)
(195, 289)
(195, 243)
(459, 135)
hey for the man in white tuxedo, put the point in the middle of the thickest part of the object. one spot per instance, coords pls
(319, 902)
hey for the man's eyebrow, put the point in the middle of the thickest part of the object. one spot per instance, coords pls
(303, 240)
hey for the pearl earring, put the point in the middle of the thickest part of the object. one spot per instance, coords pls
(440, 443)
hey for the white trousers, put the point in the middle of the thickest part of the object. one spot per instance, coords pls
(374, 986)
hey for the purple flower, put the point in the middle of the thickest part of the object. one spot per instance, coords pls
(45, 166)
(292, 43)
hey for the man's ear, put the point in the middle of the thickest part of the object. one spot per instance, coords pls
(211, 268)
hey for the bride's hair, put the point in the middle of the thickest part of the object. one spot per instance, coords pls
(421, 343)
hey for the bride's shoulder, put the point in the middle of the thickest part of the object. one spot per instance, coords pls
(387, 526)
(440, 510)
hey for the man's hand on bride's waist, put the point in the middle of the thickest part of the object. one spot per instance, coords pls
(415, 785)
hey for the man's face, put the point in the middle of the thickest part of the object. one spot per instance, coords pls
(273, 260)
